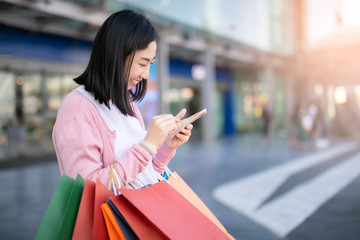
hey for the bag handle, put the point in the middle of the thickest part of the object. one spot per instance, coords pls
(116, 180)
(120, 178)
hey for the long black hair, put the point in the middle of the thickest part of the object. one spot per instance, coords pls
(119, 37)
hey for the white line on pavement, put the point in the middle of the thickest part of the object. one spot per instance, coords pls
(247, 194)
(250, 192)
(289, 210)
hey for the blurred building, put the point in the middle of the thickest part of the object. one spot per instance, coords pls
(231, 57)
(325, 67)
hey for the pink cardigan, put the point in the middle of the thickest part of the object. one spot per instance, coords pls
(84, 144)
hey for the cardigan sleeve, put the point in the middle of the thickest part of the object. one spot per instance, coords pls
(163, 157)
(84, 145)
(164, 153)
(80, 149)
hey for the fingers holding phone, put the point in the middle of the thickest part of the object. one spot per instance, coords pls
(186, 131)
(184, 122)
(182, 133)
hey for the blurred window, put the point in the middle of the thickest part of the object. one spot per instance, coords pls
(57, 87)
(7, 94)
(54, 92)
(357, 95)
(7, 104)
(32, 105)
(67, 84)
(257, 23)
(85, 2)
(32, 97)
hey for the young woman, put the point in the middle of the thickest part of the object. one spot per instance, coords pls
(99, 130)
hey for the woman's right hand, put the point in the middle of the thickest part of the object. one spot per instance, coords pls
(159, 128)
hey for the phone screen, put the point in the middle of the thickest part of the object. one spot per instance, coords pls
(183, 123)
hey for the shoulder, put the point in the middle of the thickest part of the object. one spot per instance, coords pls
(75, 99)
(75, 105)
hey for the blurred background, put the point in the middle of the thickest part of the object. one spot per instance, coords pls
(294, 60)
(270, 68)
(288, 64)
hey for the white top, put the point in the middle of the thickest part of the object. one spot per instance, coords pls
(128, 132)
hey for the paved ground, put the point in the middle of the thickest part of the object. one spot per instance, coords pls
(253, 187)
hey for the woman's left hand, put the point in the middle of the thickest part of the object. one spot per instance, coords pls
(180, 138)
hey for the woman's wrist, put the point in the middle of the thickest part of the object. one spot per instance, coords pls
(148, 146)
(169, 145)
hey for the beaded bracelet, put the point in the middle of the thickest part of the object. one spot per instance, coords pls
(148, 146)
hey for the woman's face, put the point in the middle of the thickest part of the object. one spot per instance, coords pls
(141, 64)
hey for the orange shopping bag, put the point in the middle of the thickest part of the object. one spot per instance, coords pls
(118, 227)
(113, 229)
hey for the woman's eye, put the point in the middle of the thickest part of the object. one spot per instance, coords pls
(143, 65)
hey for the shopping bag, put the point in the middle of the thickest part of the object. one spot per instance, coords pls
(184, 189)
(137, 222)
(113, 229)
(117, 227)
(90, 223)
(60, 216)
(162, 209)
(84, 225)
(102, 194)
(121, 222)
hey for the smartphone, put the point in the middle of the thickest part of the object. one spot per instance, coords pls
(184, 122)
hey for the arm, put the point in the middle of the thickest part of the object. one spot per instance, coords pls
(164, 153)
(162, 158)
(82, 148)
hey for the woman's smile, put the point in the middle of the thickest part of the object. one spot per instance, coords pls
(134, 82)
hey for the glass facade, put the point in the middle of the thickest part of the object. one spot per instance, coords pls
(28, 111)
(7, 111)
(186, 93)
(257, 23)
(279, 114)
(7, 96)
(30, 99)
(251, 96)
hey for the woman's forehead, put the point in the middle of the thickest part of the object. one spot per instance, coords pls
(147, 54)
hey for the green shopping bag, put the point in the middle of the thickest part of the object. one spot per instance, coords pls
(60, 216)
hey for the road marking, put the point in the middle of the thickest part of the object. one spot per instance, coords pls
(246, 195)
(290, 210)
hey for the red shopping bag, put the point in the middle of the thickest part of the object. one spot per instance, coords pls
(90, 223)
(142, 228)
(102, 194)
(184, 189)
(83, 229)
(162, 209)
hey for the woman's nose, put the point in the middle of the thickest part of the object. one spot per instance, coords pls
(145, 74)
